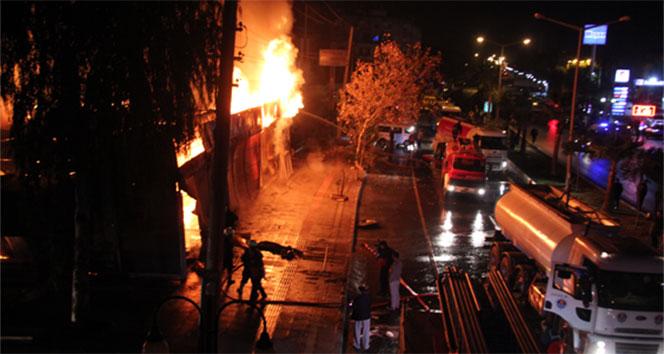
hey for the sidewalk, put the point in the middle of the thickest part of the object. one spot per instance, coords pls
(536, 164)
(305, 305)
(305, 308)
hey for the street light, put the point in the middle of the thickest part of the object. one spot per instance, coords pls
(501, 60)
(580, 29)
(155, 342)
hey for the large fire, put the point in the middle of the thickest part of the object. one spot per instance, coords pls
(268, 74)
(279, 81)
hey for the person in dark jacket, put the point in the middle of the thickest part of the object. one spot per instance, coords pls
(254, 270)
(616, 193)
(656, 229)
(385, 260)
(362, 316)
(641, 191)
(231, 224)
(533, 134)
(456, 130)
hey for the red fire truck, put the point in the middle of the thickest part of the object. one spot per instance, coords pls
(464, 170)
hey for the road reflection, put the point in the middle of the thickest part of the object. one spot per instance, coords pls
(464, 226)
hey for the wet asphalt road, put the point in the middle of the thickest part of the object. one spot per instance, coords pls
(441, 232)
(456, 225)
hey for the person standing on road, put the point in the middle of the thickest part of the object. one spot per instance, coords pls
(362, 316)
(395, 281)
(656, 229)
(456, 130)
(533, 134)
(616, 193)
(385, 262)
(641, 191)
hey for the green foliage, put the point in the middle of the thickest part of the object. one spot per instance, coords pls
(387, 89)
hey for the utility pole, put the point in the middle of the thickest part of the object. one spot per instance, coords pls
(350, 46)
(211, 281)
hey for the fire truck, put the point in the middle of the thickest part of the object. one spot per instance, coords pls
(490, 142)
(464, 170)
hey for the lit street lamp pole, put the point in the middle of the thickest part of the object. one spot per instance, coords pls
(501, 60)
(580, 29)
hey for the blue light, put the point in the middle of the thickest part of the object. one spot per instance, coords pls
(603, 124)
(376, 38)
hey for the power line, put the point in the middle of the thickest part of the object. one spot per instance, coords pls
(321, 16)
(335, 13)
(308, 16)
(264, 40)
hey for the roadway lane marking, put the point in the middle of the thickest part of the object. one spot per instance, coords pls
(432, 261)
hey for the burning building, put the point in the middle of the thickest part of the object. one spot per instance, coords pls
(266, 95)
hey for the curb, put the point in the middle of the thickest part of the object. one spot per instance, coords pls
(344, 340)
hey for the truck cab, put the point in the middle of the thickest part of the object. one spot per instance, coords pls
(463, 170)
(492, 143)
(612, 300)
(602, 291)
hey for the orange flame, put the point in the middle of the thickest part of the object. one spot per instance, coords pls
(280, 81)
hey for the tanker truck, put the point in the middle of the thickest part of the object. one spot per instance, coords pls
(600, 290)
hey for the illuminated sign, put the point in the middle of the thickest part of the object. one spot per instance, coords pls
(649, 82)
(640, 110)
(622, 75)
(595, 35)
(619, 100)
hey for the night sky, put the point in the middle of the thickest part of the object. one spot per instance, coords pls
(452, 26)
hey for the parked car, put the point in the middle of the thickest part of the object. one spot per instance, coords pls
(401, 133)
(655, 130)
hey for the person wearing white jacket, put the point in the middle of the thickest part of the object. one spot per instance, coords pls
(395, 281)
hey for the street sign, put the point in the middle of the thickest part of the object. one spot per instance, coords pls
(595, 36)
(640, 110)
(332, 57)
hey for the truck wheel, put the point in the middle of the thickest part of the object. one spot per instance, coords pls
(494, 258)
(506, 270)
(521, 282)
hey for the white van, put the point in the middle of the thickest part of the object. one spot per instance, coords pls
(401, 132)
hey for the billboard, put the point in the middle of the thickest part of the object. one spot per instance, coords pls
(332, 57)
(595, 35)
(622, 75)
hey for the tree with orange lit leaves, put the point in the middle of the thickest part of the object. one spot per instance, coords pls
(387, 89)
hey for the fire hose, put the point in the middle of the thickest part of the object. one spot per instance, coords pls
(410, 290)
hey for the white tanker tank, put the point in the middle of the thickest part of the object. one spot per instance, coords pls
(604, 292)
(528, 217)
